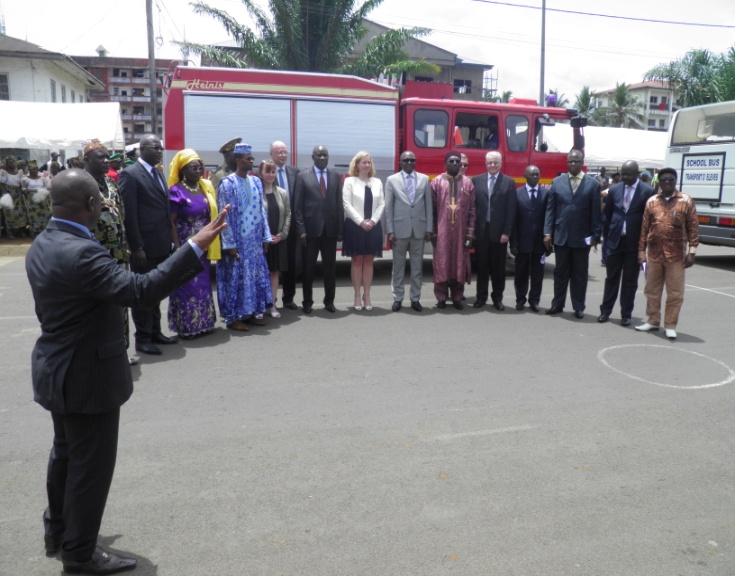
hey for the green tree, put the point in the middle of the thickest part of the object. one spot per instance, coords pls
(693, 77)
(725, 78)
(624, 110)
(309, 36)
(585, 102)
(561, 99)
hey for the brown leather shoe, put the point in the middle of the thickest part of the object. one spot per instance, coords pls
(239, 325)
(256, 321)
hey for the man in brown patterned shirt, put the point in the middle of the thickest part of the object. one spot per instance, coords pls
(669, 225)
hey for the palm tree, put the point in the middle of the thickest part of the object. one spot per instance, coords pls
(561, 100)
(725, 78)
(691, 77)
(309, 36)
(585, 102)
(624, 110)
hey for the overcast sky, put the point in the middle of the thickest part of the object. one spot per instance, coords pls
(580, 49)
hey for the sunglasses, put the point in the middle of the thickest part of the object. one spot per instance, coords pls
(464, 164)
(662, 180)
(409, 160)
(452, 161)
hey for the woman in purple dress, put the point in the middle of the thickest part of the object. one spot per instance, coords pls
(193, 205)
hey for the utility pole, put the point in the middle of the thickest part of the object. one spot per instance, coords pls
(541, 93)
(152, 66)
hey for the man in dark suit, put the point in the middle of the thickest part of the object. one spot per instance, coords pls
(496, 211)
(80, 367)
(572, 227)
(624, 208)
(527, 240)
(319, 224)
(286, 179)
(148, 228)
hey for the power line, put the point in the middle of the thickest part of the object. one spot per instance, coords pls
(613, 17)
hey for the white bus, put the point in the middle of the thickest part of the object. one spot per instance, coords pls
(701, 147)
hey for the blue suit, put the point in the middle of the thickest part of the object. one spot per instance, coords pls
(571, 218)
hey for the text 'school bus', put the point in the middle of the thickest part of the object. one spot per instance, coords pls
(206, 107)
(702, 148)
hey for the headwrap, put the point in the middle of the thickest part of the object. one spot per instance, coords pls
(181, 159)
(241, 149)
(32, 164)
(452, 152)
(93, 144)
(54, 164)
(229, 146)
(645, 173)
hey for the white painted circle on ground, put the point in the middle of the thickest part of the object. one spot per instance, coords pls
(730, 377)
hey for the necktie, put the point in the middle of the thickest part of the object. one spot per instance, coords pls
(409, 186)
(157, 178)
(533, 198)
(574, 181)
(490, 188)
(281, 179)
(322, 184)
(628, 197)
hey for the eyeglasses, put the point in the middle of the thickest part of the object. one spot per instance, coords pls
(464, 164)
(454, 161)
(409, 160)
(663, 180)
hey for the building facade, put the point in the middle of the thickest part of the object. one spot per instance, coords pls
(657, 101)
(127, 80)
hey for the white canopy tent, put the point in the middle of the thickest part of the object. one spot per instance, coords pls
(52, 126)
(612, 146)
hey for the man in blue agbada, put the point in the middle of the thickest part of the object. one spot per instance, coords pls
(243, 281)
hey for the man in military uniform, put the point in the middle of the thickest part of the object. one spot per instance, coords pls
(230, 165)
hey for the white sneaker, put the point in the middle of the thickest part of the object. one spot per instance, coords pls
(646, 327)
(671, 333)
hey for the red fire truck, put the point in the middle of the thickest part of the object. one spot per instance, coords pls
(208, 106)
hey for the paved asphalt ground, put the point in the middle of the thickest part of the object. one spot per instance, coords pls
(474, 443)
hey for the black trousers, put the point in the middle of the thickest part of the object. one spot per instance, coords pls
(327, 246)
(147, 320)
(294, 249)
(621, 264)
(491, 257)
(571, 271)
(80, 469)
(529, 264)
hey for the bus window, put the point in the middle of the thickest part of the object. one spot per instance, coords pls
(516, 128)
(477, 130)
(704, 124)
(430, 128)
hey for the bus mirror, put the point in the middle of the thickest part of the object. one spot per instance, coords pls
(579, 122)
(705, 128)
(544, 120)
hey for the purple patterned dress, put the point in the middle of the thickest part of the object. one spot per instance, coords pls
(191, 307)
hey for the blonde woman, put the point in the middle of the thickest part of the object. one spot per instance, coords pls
(364, 202)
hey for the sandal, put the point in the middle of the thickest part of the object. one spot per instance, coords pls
(274, 312)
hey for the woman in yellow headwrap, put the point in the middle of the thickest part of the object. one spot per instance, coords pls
(193, 205)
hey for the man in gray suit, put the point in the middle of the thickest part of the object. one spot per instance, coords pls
(286, 179)
(80, 368)
(409, 223)
(572, 227)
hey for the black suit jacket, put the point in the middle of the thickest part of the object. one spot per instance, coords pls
(616, 215)
(80, 362)
(291, 173)
(147, 212)
(570, 218)
(315, 215)
(502, 206)
(528, 232)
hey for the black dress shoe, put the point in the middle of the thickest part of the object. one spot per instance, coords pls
(458, 304)
(52, 543)
(520, 306)
(102, 562)
(307, 308)
(396, 306)
(534, 307)
(290, 305)
(330, 308)
(161, 339)
(554, 310)
(578, 314)
(416, 305)
(499, 306)
(148, 348)
(441, 304)
(602, 318)
(625, 321)
(479, 303)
